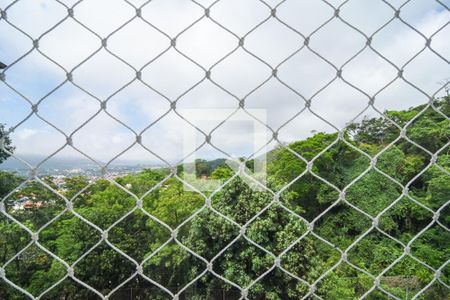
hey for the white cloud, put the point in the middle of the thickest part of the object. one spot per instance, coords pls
(26, 133)
(172, 74)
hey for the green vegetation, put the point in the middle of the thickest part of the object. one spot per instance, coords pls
(6, 141)
(209, 235)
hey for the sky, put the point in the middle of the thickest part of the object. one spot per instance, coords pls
(143, 45)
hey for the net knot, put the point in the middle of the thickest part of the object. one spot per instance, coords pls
(306, 41)
(278, 262)
(273, 12)
(242, 230)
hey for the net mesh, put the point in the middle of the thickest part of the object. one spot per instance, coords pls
(240, 105)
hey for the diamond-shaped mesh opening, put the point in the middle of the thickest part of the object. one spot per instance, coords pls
(14, 109)
(144, 104)
(96, 134)
(141, 183)
(403, 161)
(367, 65)
(100, 199)
(279, 285)
(410, 9)
(45, 131)
(428, 59)
(9, 182)
(35, 270)
(141, 51)
(69, 237)
(33, 204)
(396, 57)
(104, 279)
(244, 81)
(276, 229)
(353, 164)
(402, 280)
(79, 189)
(366, 20)
(135, 228)
(305, 63)
(208, 234)
(342, 225)
(430, 130)
(40, 11)
(346, 42)
(13, 239)
(425, 247)
(239, 21)
(215, 40)
(309, 197)
(356, 283)
(172, 74)
(35, 77)
(88, 16)
(238, 201)
(91, 74)
(77, 108)
(165, 266)
(431, 188)
(284, 166)
(304, 22)
(80, 43)
(242, 263)
(171, 19)
(171, 203)
(373, 193)
(372, 135)
(284, 42)
(374, 253)
(405, 219)
(297, 260)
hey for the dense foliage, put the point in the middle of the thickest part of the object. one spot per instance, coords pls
(5, 143)
(338, 225)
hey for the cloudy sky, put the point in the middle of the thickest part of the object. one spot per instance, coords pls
(143, 45)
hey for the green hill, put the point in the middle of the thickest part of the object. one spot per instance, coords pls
(390, 217)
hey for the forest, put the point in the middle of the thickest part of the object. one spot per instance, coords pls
(406, 245)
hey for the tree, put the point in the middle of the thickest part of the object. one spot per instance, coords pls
(5, 144)
(8, 182)
(275, 229)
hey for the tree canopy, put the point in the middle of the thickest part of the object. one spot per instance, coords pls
(212, 234)
(5, 144)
